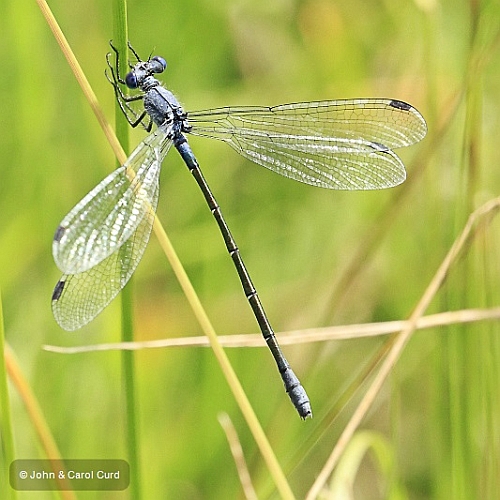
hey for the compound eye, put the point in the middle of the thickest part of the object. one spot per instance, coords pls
(131, 80)
(159, 65)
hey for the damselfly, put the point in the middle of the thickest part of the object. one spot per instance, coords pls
(342, 144)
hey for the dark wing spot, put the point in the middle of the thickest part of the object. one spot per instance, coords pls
(400, 105)
(59, 233)
(377, 146)
(58, 290)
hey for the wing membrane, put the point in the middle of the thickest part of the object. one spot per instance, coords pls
(111, 213)
(344, 144)
(79, 298)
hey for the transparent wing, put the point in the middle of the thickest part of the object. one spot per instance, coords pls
(343, 144)
(79, 298)
(108, 216)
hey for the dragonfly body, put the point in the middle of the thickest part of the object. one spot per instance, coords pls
(345, 144)
(166, 112)
(163, 108)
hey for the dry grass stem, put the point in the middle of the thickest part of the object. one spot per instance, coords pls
(238, 457)
(477, 220)
(295, 337)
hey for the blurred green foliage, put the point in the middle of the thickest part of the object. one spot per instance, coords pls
(298, 241)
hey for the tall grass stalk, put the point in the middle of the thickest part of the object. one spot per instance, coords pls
(37, 419)
(120, 38)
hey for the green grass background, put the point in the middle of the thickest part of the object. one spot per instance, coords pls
(438, 415)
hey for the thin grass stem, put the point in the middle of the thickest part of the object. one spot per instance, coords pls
(6, 430)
